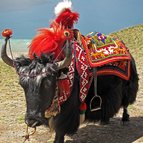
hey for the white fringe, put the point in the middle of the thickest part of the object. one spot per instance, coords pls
(62, 5)
(82, 118)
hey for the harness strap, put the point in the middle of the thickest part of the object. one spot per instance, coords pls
(94, 106)
(96, 101)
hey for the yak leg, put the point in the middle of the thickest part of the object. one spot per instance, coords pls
(105, 119)
(125, 104)
(111, 100)
(130, 90)
(125, 116)
(59, 138)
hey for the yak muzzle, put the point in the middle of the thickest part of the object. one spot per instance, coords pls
(32, 122)
(35, 120)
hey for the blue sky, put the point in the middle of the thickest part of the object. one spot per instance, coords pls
(105, 16)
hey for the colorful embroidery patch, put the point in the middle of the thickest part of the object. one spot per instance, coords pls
(103, 49)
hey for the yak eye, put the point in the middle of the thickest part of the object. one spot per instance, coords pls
(67, 33)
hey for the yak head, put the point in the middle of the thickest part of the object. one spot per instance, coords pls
(38, 77)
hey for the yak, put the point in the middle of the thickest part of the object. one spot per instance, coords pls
(38, 77)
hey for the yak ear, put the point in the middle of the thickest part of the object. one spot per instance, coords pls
(21, 62)
(47, 58)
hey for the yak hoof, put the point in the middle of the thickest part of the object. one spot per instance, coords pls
(125, 118)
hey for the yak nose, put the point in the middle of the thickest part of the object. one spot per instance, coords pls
(32, 123)
(32, 120)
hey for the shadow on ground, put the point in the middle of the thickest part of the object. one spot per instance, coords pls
(115, 132)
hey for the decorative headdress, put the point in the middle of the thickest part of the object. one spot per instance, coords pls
(49, 40)
(64, 14)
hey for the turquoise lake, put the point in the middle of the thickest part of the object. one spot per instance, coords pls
(18, 46)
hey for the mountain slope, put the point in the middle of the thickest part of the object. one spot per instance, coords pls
(133, 38)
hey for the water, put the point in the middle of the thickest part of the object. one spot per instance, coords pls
(18, 46)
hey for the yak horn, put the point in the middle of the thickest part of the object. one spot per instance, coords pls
(68, 56)
(4, 55)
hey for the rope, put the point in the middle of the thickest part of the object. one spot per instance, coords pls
(12, 57)
(59, 54)
(11, 51)
(95, 93)
(28, 134)
(62, 51)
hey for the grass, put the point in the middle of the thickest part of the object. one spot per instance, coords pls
(20, 119)
(133, 38)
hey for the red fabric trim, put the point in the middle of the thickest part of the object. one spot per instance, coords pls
(117, 73)
(64, 90)
(106, 61)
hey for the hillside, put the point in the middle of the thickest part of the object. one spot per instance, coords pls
(12, 105)
(133, 38)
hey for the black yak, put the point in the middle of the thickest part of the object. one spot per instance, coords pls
(38, 77)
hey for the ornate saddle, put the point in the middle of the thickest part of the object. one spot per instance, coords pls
(103, 49)
(107, 54)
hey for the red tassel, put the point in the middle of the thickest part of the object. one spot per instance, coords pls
(83, 108)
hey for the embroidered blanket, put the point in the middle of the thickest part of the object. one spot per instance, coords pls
(102, 49)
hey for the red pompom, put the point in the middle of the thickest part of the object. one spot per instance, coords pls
(7, 33)
(83, 106)
(67, 18)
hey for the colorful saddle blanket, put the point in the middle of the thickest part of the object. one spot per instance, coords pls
(102, 49)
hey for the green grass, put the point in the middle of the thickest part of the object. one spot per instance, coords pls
(133, 38)
(20, 119)
(8, 79)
